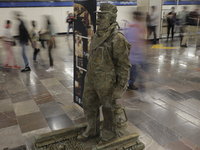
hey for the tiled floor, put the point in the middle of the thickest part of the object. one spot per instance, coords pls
(166, 113)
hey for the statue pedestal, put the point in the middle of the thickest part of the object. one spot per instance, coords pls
(66, 139)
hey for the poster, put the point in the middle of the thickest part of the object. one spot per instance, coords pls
(84, 28)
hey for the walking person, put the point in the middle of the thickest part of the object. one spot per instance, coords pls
(69, 20)
(51, 43)
(23, 39)
(171, 19)
(35, 40)
(153, 22)
(135, 35)
(182, 16)
(9, 41)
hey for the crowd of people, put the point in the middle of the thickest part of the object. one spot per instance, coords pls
(35, 37)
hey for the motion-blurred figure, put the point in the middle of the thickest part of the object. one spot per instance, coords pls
(193, 21)
(23, 39)
(182, 17)
(9, 41)
(171, 19)
(135, 34)
(35, 40)
(51, 42)
(153, 23)
(69, 20)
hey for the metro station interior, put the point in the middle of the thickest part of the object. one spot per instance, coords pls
(164, 109)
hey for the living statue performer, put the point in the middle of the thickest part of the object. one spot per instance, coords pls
(107, 74)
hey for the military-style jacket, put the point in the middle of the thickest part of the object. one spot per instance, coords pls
(109, 59)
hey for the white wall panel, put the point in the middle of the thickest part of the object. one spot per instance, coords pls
(59, 16)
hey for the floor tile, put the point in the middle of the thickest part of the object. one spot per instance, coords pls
(140, 105)
(136, 117)
(188, 143)
(195, 138)
(192, 103)
(43, 97)
(161, 134)
(64, 98)
(51, 109)
(26, 107)
(186, 129)
(11, 137)
(31, 122)
(50, 82)
(194, 94)
(6, 105)
(178, 87)
(59, 122)
(177, 145)
(7, 119)
(20, 96)
(57, 89)
(80, 120)
(3, 95)
(175, 95)
(35, 89)
(167, 118)
(67, 83)
(73, 112)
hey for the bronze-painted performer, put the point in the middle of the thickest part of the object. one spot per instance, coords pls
(107, 74)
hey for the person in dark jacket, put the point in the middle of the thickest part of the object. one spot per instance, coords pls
(23, 39)
(171, 18)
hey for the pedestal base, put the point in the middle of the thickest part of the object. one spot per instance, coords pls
(66, 139)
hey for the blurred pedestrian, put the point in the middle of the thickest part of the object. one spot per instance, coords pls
(171, 19)
(69, 20)
(51, 42)
(182, 18)
(193, 27)
(34, 40)
(9, 41)
(154, 20)
(136, 35)
(23, 39)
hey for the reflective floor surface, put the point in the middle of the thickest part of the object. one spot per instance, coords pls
(165, 111)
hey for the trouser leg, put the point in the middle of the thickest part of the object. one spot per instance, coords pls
(91, 104)
(168, 31)
(133, 74)
(186, 36)
(154, 33)
(172, 27)
(24, 55)
(50, 56)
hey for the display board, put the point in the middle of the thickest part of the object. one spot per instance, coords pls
(84, 28)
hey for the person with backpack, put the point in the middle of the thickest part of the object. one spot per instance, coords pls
(23, 39)
(171, 19)
(69, 20)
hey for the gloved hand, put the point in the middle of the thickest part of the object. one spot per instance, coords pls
(118, 91)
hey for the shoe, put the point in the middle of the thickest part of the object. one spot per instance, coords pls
(184, 45)
(132, 87)
(197, 46)
(16, 67)
(7, 66)
(26, 69)
(50, 69)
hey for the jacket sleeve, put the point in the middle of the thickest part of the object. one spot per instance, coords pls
(121, 50)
